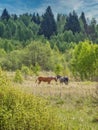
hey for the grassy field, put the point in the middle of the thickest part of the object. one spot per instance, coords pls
(76, 104)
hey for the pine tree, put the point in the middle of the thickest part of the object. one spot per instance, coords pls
(72, 23)
(37, 18)
(48, 25)
(82, 17)
(33, 18)
(5, 15)
(2, 27)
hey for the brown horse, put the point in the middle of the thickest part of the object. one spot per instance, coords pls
(46, 79)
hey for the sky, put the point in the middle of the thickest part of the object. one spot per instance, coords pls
(89, 7)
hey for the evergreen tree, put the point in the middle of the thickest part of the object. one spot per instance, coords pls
(33, 18)
(2, 28)
(82, 17)
(37, 19)
(48, 24)
(92, 30)
(5, 15)
(72, 23)
(15, 17)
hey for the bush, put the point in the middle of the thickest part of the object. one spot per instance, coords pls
(18, 77)
(58, 69)
(25, 71)
(4, 81)
(36, 68)
(22, 111)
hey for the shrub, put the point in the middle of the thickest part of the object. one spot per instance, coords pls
(18, 77)
(22, 111)
(58, 69)
(25, 71)
(36, 68)
(3, 78)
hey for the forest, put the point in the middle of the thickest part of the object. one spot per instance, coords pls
(67, 44)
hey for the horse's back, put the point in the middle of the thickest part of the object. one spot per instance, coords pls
(42, 78)
(47, 79)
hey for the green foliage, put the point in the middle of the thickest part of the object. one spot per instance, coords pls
(58, 69)
(18, 77)
(61, 20)
(23, 111)
(48, 24)
(84, 60)
(25, 45)
(2, 53)
(7, 46)
(35, 52)
(2, 27)
(4, 81)
(36, 68)
(13, 60)
(25, 71)
(72, 23)
(30, 26)
(5, 15)
(36, 18)
(40, 53)
(10, 45)
(25, 18)
(84, 23)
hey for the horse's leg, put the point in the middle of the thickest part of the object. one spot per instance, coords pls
(39, 82)
(67, 82)
(36, 80)
(49, 82)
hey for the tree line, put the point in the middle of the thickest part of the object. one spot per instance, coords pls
(29, 26)
(66, 45)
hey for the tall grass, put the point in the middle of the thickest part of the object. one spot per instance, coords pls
(24, 111)
(29, 106)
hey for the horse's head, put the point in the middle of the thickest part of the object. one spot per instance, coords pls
(58, 76)
(54, 78)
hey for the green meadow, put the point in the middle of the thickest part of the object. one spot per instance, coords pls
(32, 106)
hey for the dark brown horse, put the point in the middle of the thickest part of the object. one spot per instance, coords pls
(46, 79)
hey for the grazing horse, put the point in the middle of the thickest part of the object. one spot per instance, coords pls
(46, 79)
(63, 79)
